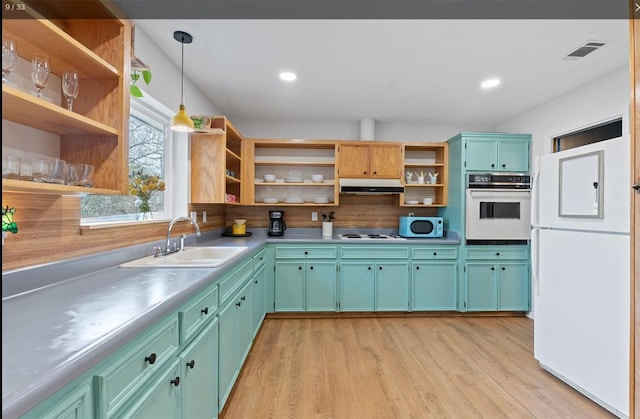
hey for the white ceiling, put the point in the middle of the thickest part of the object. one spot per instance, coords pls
(422, 71)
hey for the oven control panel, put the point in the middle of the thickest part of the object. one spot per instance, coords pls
(498, 181)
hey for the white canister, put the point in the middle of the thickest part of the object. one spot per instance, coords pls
(327, 229)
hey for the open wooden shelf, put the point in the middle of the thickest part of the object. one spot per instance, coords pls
(26, 109)
(52, 188)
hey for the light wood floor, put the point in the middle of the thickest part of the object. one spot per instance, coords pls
(417, 367)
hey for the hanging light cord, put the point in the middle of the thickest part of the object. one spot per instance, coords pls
(182, 74)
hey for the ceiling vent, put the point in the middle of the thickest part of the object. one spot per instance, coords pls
(584, 50)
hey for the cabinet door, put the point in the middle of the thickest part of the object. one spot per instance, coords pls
(392, 286)
(434, 286)
(245, 333)
(386, 161)
(161, 399)
(199, 363)
(481, 154)
(357, 282)
(353, 161)
(321, 286)
(290, 286)
(228, 361)
(76, 405)
(481, 287)
(513, 287)
(513, 155)
(259, 299)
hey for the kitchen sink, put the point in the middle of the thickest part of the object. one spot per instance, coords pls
(190, 257)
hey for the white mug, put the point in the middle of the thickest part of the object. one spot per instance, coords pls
(427, 201)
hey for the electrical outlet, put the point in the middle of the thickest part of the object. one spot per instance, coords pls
(194, 216)
(204, 217)
(314, 216)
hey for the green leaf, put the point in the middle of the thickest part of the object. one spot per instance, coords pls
(135, 91)
(146, 75)
(135, 76)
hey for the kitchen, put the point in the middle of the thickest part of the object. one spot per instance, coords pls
(299, 217)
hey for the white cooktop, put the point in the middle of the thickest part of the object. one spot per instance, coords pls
(356, 236)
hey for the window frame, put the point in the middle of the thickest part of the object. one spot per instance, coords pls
(158, 115)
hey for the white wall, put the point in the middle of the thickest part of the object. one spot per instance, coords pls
(602, 99)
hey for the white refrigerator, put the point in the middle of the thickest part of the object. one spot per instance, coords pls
(580, 250)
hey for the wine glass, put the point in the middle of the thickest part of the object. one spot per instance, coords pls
(9, 57)
(40, 72)
(70, 86)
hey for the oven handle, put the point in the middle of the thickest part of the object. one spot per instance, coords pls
(504, 193)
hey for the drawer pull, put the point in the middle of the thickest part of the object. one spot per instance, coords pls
(306, 253)
(238, 304)
(497, 253)
(176, 382)
(205, 310)
(380, 267)
(299, 268)
(493, 269)
(243, 298)
(369, 268)
(255, 282)
(151, 359)
(503, 268)
(417, 268)
(310, 267)
(435, 253)
(191, 364)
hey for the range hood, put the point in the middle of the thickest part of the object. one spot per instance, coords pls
(371, 186)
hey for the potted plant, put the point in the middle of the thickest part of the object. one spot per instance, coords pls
(135, 76)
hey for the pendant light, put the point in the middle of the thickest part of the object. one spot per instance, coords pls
(181, 121)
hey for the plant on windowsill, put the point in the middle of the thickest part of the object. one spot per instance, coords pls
(144, 186)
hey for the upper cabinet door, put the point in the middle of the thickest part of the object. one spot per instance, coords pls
(353, 161)
(513, 155)
(386, 161)
(481, 154)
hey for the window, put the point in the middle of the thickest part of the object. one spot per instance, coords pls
(607, 131)
(148, 139)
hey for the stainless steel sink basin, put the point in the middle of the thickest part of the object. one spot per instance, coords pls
(190, 257)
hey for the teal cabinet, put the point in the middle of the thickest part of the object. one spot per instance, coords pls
(245, 322)
(160, 399)
(199, 376)
(434, 278)
(434, 286)
(321, 286)
(74, 402)
(305, 278)
(497, 153)
(481, 284)
(497, 278)
(289, 282)
(392, 286)
(228, 355)
(357, 286)
(259, 307)
(513, 287)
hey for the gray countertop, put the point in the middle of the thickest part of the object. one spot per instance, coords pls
(61, 319)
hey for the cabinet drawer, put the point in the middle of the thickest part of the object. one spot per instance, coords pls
(234, 280)
(197, 314)
(374, 252)
(302, 252)
(434, 252)
(259, 259)
(131, 369)
(498, 252)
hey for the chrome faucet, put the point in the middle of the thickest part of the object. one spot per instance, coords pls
(171, 249)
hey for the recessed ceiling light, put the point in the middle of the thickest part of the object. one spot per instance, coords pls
(288, 76)
(489, 83)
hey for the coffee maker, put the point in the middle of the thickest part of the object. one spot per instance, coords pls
(277, 226)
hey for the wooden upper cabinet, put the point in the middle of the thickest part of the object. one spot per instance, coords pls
(216, 164)
(370, 161)
(96, 131)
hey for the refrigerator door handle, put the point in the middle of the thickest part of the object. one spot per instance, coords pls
(534, 191)
(535, 260)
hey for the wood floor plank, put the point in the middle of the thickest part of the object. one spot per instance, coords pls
(400, 367)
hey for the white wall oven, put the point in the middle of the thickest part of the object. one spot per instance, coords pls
(498, 208)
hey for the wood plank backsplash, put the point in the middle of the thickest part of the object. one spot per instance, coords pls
(49, 226)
